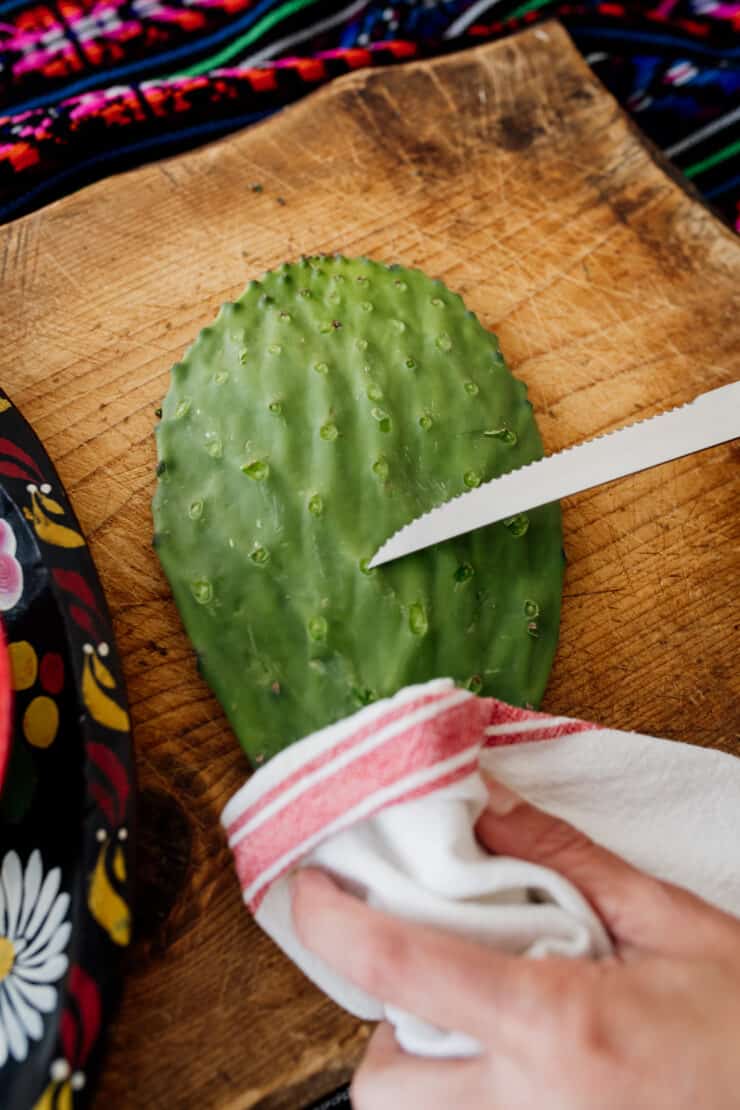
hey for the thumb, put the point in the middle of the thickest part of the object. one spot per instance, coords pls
(638, 910)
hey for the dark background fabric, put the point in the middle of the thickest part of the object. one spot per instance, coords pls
(88, 87)
(332, 1102)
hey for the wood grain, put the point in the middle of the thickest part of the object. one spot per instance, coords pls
(509, 172)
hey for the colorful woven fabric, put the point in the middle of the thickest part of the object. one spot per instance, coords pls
(92, 86)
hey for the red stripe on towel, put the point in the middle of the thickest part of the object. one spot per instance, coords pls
(344, 743)
(338, 786)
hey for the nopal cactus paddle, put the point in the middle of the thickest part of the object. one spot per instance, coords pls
(333, 402)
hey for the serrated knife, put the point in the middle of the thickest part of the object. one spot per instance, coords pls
(710, 419)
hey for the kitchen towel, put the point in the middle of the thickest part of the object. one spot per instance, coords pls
(386, 801)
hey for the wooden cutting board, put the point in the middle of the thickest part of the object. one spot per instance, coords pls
(509, 172)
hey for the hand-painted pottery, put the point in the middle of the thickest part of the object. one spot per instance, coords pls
(66, 805)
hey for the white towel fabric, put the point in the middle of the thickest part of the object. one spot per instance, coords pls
(387, 799)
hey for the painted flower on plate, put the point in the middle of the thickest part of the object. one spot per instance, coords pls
(33, 935)
(11, 572)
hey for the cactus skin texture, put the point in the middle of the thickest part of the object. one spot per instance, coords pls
(333, 402)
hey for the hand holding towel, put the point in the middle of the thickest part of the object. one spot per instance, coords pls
(387, 801)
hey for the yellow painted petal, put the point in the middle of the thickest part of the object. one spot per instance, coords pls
(103, 675)
(119, 864)
(41, 721)
(4, 404)
(64, 1098)
(50, 504)
(24, 664)
(106, 905)
(58, 535)
(46, 1102)
(101, 708)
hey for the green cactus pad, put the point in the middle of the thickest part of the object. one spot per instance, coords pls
(332, 403)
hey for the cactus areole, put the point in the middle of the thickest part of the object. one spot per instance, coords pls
(333, 402)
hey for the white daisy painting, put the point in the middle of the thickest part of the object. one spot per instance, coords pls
(34, 933)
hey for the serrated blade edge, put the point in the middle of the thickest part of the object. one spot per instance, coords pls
(710, 419)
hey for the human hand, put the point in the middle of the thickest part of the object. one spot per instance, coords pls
(655, 1025)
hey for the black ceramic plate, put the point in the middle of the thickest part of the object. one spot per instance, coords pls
(66, 807)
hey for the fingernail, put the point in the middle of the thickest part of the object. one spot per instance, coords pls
(501, 800)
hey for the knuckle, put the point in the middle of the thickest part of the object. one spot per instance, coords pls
(591, 1032)
(675, 900)
(551, 999)
(554, 840)
(301, 913)
(383, 960)
(641, 907)
(587, 1024)
(539, 999)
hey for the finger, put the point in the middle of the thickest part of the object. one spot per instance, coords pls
(639, 910)
(449, 981)
(389, 1077)
(383, 1049)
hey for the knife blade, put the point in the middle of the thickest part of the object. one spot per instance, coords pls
(710, 419)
